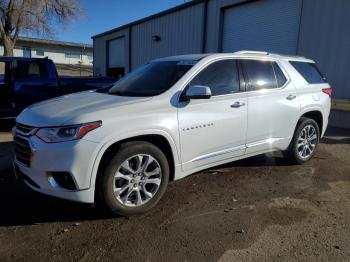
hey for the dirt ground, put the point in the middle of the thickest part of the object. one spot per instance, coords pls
(74, 70)
(258, 209)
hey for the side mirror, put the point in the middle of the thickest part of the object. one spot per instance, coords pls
(198, 92)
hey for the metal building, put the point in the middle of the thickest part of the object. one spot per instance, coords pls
(317, 29)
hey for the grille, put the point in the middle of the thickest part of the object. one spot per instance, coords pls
(23, 151)
(23, 129)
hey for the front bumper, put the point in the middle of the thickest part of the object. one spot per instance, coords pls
(74, 157)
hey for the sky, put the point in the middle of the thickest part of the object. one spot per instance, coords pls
(103, 15)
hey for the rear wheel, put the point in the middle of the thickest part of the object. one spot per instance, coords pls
(304, 142)
(135, 179)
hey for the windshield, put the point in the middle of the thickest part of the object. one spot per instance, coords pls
(151, 79)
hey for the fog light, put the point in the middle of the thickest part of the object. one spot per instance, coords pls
(61, 180)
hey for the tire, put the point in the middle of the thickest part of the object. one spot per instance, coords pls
(302, 148)
(134, 179)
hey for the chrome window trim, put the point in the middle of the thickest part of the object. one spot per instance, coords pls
(271, 89)
(239, 58)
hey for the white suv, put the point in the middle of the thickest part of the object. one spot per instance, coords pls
(166, 120)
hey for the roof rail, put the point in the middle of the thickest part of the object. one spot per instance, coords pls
(251, 52)
(298, 57)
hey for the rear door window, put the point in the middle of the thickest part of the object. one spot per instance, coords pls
(260, 74)
(24, 69)
(309, 71)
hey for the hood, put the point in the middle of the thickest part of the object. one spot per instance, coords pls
(61, 110)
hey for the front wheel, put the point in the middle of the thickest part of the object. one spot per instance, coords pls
(305, 141)
(135, 179)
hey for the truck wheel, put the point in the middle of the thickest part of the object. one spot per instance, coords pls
(305, 141)
(135, 179)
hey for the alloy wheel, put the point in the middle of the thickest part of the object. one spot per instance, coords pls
(307, 141)
(137, 180)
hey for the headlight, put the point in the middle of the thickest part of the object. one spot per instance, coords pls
(66, 133)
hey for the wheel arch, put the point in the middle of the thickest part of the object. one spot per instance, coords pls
(163, 141)
(315, 115)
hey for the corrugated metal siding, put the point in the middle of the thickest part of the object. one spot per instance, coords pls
(269, 25)
(339, 118)
(180, 32)
(116, 52)
(213, 22)
(101, 52)
(325, 37)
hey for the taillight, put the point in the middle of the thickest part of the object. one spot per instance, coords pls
(327, 91)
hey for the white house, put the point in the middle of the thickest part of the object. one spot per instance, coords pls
(58, 51)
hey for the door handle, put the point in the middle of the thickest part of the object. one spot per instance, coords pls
(237, 104)
(291, 97)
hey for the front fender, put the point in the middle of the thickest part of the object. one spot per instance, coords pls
(111, 141)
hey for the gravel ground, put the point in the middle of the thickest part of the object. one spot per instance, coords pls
(258, 209)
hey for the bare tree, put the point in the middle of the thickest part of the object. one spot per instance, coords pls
(33, 16)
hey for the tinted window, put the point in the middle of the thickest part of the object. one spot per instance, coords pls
(281, 78)
(309, 71)
(151, 79)
(222, 77)
(260, 74)
(30, 70)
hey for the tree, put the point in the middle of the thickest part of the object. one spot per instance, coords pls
(33, 16)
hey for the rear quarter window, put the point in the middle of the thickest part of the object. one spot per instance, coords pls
(280, 77)
(309, 71)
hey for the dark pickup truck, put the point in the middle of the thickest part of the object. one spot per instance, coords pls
(24, 81)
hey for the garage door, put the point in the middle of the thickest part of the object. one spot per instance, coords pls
(265, 25)
(116, 57)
